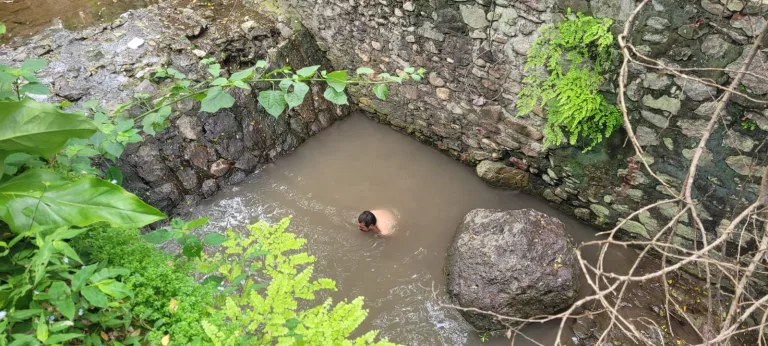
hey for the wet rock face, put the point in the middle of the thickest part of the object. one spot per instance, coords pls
(517, 263)
(199, 153)
(475, 52)
(500, 175)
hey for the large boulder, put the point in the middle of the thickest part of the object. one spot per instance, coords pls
(517, 263)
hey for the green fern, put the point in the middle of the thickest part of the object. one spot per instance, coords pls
(270, 314)
(565, 69)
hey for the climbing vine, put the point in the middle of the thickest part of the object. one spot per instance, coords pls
(566, 65)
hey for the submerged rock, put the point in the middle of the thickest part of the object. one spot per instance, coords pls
(517, 263)
(500, 175)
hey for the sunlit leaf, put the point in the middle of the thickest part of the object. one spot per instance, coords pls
(214, 70)
(195, 223)
(381, 91)
(364, 71)
(192, 248)
(242, 75)
(337, 80)
(115, 289)
(214, 239)
(95, 296)
(272, 101)
(166, 340)
(43, 198)
(336, 97)
(173, 305)
(296, 97)
(42, 328)
(66, 307)
(216, 99)
(307, 71)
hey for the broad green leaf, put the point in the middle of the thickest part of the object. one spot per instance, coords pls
(156, 121)
(39, 128)
(58, 290)
(2, 28)
(81, 277)
(158, 237)
(65, 233)
(116, 289)
(176, 74)
(195, 223)
(337, 80)
(296, 97)
(23, 340)
(364, 70)
(307, 71)
(261, 64)
(216, 99)
(16, 160)
(381, 91)
(409, 70)
(95, 296)
(66, 307)
(43, 198)
(416, 77)
(67, 250)
(124, 124)
(61, 325)
(34, 65)
(242, 85)
(192, 248)
(242, 75)
(34, 88)
(61, 338)
(214, 70)
(214, 239)
(336, 97)
(285, 84)
(114, 175)
(20, 315)
(213, 279)
(108, 273)
(221, 81)
(113, 148)
(272, 101)
(42, 328)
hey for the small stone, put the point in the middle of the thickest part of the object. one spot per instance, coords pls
(443, 93)
(428, 30)
(646, 136)
(656, 81)
(692, 32)
(621, 208)
(410, 39)
(738, 141)
(696, 90)
(670, 210)
(715, 46)
(435, 80)
(705, 159)
(635, 228)
(664, 103)
(635, 91)
(658, 23)
(408, 6)
(560, 192)
(209, 188)
(744, 166)
(478, 34)
(750, 24)
(248, 26)
(474, 16)
(607, 199)
(649, 222)
(706, 109)
(376, 45)
(199, 53)
(758, 67)
(190, 127)
(220, 167)
(715, 8)
(733, 5)
(655, 119)
(685, 232)
(669, 143)
(760, 119)
(600, 210)
(551, 173)
(680, 53)
(398, 12)
(693, 128)
(582, 213)
(635, 195)
(655, 38)
(550, 196)
(135, 43)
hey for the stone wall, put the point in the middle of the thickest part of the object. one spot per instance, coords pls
(199, 152)
(475, 51)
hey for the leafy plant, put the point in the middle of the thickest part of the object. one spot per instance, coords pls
(748, 124)
(272, 278)
(566, 66)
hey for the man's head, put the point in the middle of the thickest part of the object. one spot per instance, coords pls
(366, 221)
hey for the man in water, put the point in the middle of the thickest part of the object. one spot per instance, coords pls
(377, 221)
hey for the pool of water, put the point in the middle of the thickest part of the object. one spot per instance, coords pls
(25, 18)
(358, 164)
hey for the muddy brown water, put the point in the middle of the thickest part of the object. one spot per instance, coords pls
(358, 164)
(24, 18)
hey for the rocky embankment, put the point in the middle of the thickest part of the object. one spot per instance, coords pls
(199, 152)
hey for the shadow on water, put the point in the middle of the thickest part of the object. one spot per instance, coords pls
(358, 164)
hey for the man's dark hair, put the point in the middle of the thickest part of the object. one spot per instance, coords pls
(367, 218)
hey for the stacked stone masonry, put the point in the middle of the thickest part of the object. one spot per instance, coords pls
(475, 51)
